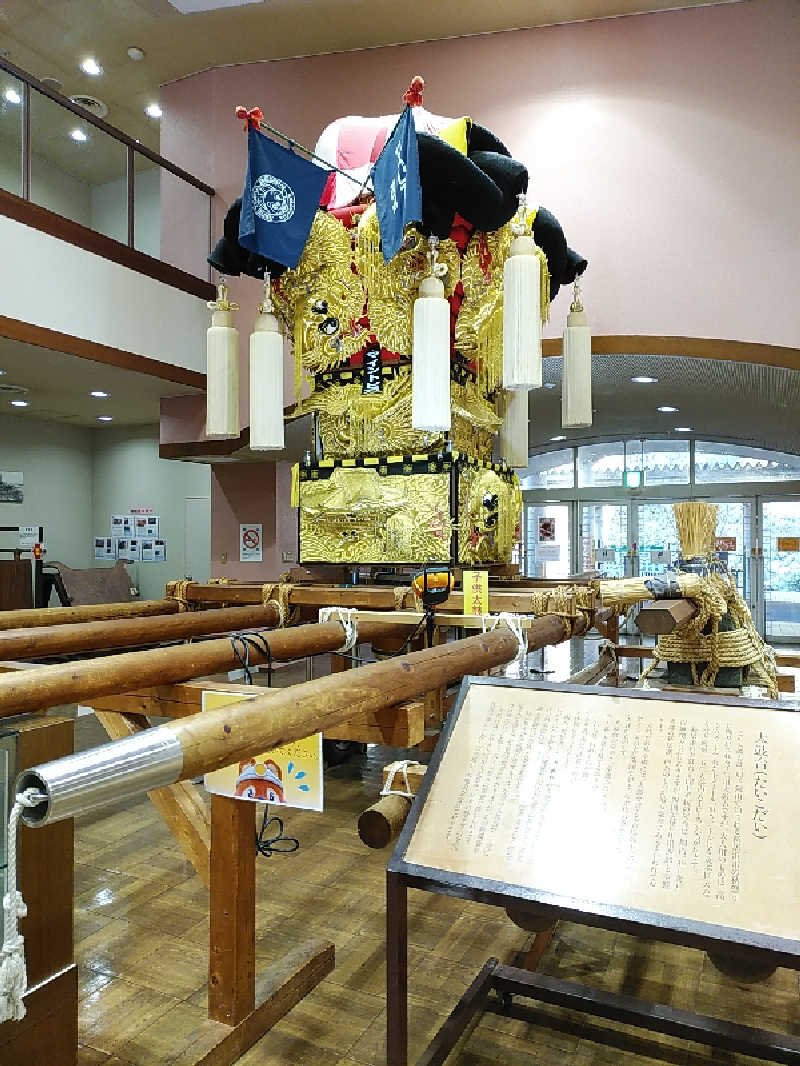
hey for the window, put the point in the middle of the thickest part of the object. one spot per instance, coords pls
(720, 463)
(550, 470)
(601, 464)
(664, 462)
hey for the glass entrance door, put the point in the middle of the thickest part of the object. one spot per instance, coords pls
(655, 538)
(780, 533)
(548, 540)
(603, 539)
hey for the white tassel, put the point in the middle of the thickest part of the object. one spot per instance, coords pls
(514, 430)
(13, 975)
(576, 392)
(222, 369)
(522, 318)
(266, 379)
(430, 364)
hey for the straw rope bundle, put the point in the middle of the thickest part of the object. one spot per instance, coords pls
(696, 522)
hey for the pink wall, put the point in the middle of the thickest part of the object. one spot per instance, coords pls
(666, 144)
(243, 492)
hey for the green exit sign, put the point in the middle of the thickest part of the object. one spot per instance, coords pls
(633, 479)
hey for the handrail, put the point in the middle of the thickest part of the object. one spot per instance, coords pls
(85, 116)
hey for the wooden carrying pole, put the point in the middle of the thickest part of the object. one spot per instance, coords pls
(90, 612)
(61, 683)
(204, 742)
(42, 642)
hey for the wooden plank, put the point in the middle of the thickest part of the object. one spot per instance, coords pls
(278, 989)
(402, 726)
(48, 1034)
(787, 660)
(181, 805)
(786, 683)
(232, 928)
(665, 616)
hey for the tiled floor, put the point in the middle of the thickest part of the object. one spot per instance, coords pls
(141, 942)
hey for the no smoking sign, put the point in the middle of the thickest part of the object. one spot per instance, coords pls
(250, 542)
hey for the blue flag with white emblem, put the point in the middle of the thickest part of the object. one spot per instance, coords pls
(281, 195)
(395, 179)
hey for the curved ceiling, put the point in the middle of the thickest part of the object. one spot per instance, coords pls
(718, 399)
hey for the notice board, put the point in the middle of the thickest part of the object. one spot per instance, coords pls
(680, 812)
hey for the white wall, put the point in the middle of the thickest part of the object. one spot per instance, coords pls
(109, 212)
(127, 472)
(56, 461)
(90, 297)
(50, 187)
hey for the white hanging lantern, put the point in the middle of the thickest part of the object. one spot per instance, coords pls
(222, 368)
(514, 430)
(576, 391)
(266, 378)
(522, 316)
(430, 362)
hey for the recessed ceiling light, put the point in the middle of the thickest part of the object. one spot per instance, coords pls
(104, 418)
(1, 373)
(91, 67)
(19, 403)
(549, 385)
(561, 436)
(135, 53)
(153, 111)
(78, 135)
(98, 394)
(12, 96)
(667, 410)
(643, 379)
(683, 429)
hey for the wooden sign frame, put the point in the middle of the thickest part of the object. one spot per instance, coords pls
(402, 875)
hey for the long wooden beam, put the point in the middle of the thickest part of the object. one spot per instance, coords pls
(63, 683)
(665, 616)
(91, 612)
(180, 750)
(46, 641)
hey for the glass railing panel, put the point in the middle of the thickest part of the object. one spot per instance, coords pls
(184, 225)
(11, 108)
(147, 207)
(77, 170)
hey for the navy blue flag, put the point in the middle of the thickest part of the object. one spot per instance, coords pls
(395, 179)
(281, 194)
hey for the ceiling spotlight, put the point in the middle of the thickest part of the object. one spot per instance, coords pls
(98, 394)
(19, 403)
(643, 379)
(683, 429)
(135, 53)
(104, 418)
(153, 110)
(78, 135)
(91, 67)
(2, 372)
(667, 410)
(561, 436)
(12, 96)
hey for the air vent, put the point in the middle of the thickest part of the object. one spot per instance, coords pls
(91, 104)
(12, 390)
(53, 83)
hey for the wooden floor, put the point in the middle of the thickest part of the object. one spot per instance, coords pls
(141, 943)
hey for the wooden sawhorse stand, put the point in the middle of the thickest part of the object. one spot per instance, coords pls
(242, 1006)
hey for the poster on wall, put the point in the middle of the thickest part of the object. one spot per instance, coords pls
(548, 553)
(250, 542)
(104, 548)
(122, 525)
(28, 537)
(290, 776)
(129, 550)
(153, 550)
(11, 486)
(146, 525)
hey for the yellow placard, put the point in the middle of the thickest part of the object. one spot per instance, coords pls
(290, 776)
(788, 544)
(476, 591)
